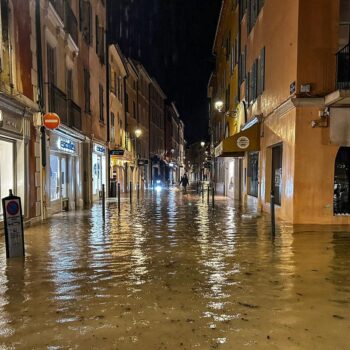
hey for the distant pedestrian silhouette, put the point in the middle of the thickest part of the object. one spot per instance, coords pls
(184, 182)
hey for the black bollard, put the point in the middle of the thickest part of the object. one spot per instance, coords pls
(130, 191)
(202, 189)
(103, 202)
(213, 195)
(208, 194)
(118, 197)
(273, 220)
(138, 191)
(197, 187)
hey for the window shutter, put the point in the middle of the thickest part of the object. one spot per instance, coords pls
(262, 59)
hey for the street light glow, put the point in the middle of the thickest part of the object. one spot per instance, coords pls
(219, 105)
(202, 143)
(138, 132)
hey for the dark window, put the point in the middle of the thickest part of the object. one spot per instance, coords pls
(86, 20)
(254, 7)
(253, 174)
(69, 84)
(101, 97)
(261, 72)
(126, 102)
(247, 88)
(51, 65)
(87, 90)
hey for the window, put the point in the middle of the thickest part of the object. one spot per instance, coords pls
(51, 65)
(86, 20)
(101, 97)
(100, 41)
(87, 90)
(261, 72)
(126, 102)
(112, 127)
(6, 47)
(254, 7)
(69, 83)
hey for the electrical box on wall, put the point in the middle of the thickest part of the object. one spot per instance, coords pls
(305, 88)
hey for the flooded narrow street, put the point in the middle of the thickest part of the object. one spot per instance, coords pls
(172, 273)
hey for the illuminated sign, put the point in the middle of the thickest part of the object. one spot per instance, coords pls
(100, 149)
(117, 152)
(66, 145)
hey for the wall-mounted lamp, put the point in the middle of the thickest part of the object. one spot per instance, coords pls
(138, 132)
(323, 121)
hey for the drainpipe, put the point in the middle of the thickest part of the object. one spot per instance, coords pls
(125, 136)
(41, 106)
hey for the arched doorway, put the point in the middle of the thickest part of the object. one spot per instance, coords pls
(341, 204)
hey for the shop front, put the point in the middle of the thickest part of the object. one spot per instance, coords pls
(241, 157)
(14, 138)
(99, 166)
(119, 170)
(64, 173)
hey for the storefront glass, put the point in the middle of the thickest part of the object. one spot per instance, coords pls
(54, 178)
(98, 170)
(253, 174)
(6, 168)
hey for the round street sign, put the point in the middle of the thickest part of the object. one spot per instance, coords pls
(52, 121)
(12, 207)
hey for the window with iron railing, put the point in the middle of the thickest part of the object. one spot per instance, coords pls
(343, 68)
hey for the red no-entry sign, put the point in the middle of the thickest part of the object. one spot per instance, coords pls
(52, 121)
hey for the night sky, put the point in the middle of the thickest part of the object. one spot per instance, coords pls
(173, 39)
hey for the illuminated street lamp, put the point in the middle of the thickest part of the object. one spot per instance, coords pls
(138, 132)
(202, 143)
(219, 105)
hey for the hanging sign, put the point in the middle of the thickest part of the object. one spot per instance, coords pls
(117, 152)
(243, 142)
(13, 224)
(52, 121)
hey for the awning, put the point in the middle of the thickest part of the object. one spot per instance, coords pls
(247, 140)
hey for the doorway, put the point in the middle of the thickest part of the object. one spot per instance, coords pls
(253, 174)
(341, 194)
(276, 174)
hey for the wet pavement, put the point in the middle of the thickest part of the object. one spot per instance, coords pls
(173, 273)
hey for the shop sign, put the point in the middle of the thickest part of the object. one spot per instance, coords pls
(13, 224)
(99, 149)
(66, 145)
(117, 152)
(219, 149)
(243, 142)
(9, 123)
(292, 88)
(52, 121)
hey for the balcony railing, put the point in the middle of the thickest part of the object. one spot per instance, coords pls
(343, 68)
(68, 111)
(58, 103)
(59, 7)
(74, 115)
(71, 23)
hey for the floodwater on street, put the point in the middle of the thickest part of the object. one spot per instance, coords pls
(171, 272)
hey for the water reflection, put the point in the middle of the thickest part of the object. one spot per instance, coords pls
(172, 272)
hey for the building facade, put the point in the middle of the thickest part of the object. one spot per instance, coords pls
(118, 153)
(292, 88)
(19, 149)
(72, 78)
(157, 132)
